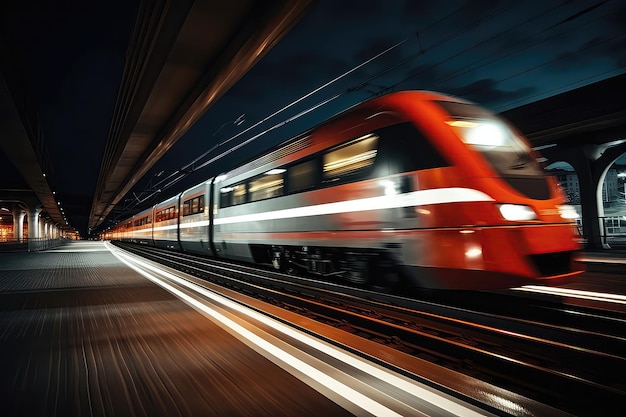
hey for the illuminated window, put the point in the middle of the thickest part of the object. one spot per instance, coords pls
(166, 214)
(232, 195)
(352, 158)
(193, 206)
(266, 186)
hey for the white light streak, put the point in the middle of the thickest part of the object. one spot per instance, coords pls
(348, 393)
(586, 295)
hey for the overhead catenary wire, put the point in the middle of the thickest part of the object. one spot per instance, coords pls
(526, 44)
(190, 167)
(293, 103)
(178, 175)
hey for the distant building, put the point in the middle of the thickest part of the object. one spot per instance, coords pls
(611, 187)
(569, 184)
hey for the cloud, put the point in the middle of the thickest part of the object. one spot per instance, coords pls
(485, 92)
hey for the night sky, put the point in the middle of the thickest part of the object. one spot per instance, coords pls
(501, 54)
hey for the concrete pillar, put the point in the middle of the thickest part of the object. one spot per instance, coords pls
(18, 223)
(42, 227)
(591, 203)
(33, 223)
(583, 161)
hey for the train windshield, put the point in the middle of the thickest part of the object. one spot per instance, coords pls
(501, 146)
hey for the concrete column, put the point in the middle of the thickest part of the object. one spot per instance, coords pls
(33, 223)
(583, 160)
(18, 223)
(591, 203)
(42, 227)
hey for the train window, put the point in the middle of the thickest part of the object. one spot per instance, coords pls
(225, 196)
(302, 176)
(403, 148)
(166, 214)
(232, 195)
(267, 185)
(193, 206)
(351, 158)
(200, 207)
(500, 145)
(239, 194)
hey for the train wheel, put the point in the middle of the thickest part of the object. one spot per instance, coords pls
(387, 281)
(358, 269)
(387, 276)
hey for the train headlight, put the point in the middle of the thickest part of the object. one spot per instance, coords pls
(482, 133)
(568, 212)
(517, 212)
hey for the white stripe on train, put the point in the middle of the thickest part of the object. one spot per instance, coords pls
(415, 198)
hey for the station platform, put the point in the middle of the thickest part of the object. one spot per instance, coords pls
(81, 333)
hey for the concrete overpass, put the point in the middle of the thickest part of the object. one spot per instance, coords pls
(182, 57)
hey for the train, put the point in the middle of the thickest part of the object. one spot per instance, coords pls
(412, 188)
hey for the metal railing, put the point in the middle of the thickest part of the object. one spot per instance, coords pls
(611, 233)
(30, 244)
(614, 230)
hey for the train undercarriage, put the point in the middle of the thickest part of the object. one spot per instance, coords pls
(364, 267)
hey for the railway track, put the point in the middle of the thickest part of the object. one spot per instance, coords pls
(572, 359)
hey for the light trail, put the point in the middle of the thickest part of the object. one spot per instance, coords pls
(281, 357)
(565, 292)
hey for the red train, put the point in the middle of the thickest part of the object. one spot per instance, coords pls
(413, 187)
